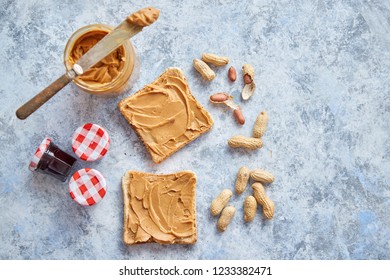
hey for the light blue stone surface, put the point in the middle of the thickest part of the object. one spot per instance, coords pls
(322, 74)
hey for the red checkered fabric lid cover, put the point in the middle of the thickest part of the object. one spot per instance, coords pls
(90, 142)
(39, 153)
(87, 186)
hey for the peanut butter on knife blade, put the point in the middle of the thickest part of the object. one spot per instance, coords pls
(144, 17)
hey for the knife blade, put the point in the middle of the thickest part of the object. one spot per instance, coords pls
(107, 45)
(123, 32)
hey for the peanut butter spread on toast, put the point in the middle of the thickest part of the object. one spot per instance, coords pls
(159, 208)
(165, 114)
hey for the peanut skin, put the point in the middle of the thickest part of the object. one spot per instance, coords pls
(260, 175)
(240, 141)
(219, 97)
(242, 179)
(247, 79)
(260, 125)
(263, 200)
(250, 206)
(226, 217)
(239, 116)
(220, 202)
(232, 74)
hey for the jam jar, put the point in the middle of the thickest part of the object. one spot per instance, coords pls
(49, 159)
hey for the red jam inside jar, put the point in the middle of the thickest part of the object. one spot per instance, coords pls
(49, 159)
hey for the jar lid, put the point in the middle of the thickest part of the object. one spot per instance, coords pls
(90, 142)
(87, 186)
(39, 153)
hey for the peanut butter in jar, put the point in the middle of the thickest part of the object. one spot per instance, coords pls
(111, 75)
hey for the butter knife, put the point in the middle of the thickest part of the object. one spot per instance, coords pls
(123, 32)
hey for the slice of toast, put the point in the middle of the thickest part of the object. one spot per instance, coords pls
(159, 208)
(165, 114)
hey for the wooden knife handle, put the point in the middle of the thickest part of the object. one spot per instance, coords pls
(38, 100)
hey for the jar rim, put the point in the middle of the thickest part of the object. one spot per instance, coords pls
(126, 71)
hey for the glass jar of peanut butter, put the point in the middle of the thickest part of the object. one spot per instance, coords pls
(111, 75)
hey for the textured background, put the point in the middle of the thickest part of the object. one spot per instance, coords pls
(322, 75)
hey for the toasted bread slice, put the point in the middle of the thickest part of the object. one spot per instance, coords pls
(159, 208)
(165, 114)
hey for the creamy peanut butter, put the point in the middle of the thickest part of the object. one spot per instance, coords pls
(144, 17)
(159, 208)
(165, 114)
(105, 70)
